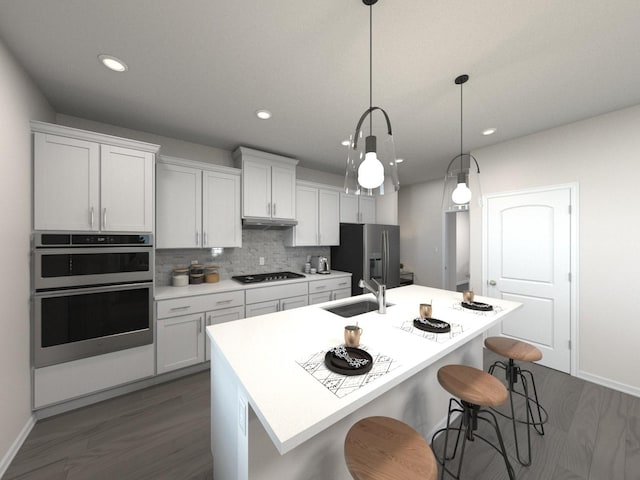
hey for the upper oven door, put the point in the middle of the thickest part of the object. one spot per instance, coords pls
(75, 267)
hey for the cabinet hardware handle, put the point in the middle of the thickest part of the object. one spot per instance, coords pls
(91, 216)
(222, 302)
(274, 209)
(104, 218)
(320, 287)
(204, 238)
(208, 320)
(174, 309)
(342, 283)
(492, 283)
(269, 208)
(197, 237)
(200, 326)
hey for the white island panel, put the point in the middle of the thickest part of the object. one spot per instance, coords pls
(296, 412)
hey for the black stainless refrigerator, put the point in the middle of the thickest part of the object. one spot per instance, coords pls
(368, 251)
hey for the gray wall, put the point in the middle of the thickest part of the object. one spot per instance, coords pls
(602, 155)
(21, 102)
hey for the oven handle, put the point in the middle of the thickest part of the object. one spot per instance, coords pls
(39, 251)
(85, 290)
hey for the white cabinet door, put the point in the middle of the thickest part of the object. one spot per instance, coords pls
(342, 293)
(221, 221)
(294, 302)
(262, 308)
(367, 209)
(348, 208)
(126, 186)
(320, 297)
(66, 183)
(180, 342)
(283, 192)
(328, 217)
(220, 316)
(178, 206)
(306, 231)
(256, 189)
(357, 209)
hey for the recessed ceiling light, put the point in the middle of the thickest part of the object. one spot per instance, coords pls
(263, 114)
(399, 160)
(345, 143)
(489, 131)
(113, 63)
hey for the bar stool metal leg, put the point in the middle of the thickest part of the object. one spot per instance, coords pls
(513, 375)
(470, 415)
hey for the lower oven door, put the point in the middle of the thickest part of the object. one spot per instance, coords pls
(79, 323)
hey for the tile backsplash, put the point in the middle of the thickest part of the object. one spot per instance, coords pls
(240, 261)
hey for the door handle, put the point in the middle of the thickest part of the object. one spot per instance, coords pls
(492, 283)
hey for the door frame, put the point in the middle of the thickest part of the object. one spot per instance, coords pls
(573, 255)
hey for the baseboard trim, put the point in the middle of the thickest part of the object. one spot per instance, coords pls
(112, 392)
(15, 446)
(605, 382)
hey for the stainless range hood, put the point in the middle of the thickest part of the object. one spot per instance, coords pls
(268, 223)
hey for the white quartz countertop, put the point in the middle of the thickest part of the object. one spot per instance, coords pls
(291, 404)
(169, 292)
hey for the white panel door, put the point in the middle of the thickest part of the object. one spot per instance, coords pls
(529, 261)
(126, 183)
(306, 231)
(220, 316)
(328, 217)
(221, 220)
(178, 206)
(65, 183)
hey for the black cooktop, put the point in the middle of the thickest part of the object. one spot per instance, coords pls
(266, 277)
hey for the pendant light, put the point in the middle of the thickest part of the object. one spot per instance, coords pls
(457, 175)
(368, 168)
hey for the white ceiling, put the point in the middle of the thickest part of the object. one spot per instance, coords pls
(198, 69)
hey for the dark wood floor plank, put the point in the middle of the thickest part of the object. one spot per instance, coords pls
(163, 432)
(609, 450)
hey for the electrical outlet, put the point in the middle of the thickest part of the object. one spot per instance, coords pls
(261, 259)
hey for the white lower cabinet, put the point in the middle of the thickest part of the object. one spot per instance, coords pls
(277, 298)
(180, 342)
(220, 316)
(329, 289)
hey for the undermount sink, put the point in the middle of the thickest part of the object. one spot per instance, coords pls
(357, 308)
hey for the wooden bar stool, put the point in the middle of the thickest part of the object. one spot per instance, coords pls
(524, 352)
(383, 448)
(475, 389)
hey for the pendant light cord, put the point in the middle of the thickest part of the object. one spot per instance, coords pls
(461, 117)
(370, 67)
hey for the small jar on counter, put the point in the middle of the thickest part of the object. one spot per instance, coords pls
(196, 274)
(180, 277)
(211, 274)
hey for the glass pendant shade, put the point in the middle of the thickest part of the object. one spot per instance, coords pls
(371, 164)
(461, 184)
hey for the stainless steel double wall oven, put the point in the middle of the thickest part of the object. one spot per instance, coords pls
(93, 294)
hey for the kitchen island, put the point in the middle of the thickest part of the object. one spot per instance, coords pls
(277, 413)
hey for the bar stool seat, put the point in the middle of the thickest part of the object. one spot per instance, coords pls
(383, 448)
(536, 415)
(478, 393)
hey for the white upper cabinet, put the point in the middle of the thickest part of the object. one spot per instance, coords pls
(318, 216)
(197, 205)
(357, 209)
(268, 184)
(85, 181)
(178, 206)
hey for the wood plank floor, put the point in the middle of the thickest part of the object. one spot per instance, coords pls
(162, 432)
